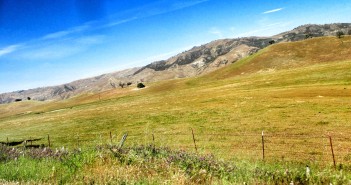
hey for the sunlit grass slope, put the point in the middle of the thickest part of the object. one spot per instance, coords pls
(291, 55)
(301, 88)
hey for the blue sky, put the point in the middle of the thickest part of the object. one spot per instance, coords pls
(51, 42)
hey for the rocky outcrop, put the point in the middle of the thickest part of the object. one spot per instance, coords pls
(196, 61)
(219, 53)
(202, 59)
(313, 30)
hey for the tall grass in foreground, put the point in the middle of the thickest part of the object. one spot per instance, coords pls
(151, 165)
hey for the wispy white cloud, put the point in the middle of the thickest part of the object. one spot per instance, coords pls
(57, 34)
(9, 49)
(159, 7)
(70, 41)
(216, 31)
(272, 11)
(148, 10)
(67, 32)
(56, 51)
(118, 22)
(186, 4)
(61, 48)
(90, 40)
(264, 29)
(163, 7)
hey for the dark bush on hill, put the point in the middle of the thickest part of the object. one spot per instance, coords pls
(140, 85)
(339, 34)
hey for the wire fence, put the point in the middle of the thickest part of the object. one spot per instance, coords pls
(325, 149)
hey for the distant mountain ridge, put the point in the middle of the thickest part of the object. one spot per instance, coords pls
(196, 61)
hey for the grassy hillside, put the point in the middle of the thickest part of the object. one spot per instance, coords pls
(297, 93)
(290, 55)
(254, 94)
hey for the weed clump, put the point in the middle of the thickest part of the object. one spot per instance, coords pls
(11, 153)
(198, 168)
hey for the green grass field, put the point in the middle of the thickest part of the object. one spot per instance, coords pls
(297, 93)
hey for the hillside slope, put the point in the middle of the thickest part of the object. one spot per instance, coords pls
(328, 54)
(289, 56)
(309, 97)
(194, 62)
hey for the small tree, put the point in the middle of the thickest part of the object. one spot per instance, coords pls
(28, 98)
(339, 34)
(140, 85)
(271, 42)
(122, 84)
(349, 32)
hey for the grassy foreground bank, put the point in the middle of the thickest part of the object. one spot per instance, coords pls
(152, 165)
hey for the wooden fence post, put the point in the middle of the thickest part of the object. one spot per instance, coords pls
(122, 140)
(263, 146)
(192, 131)
(153, 143)
(332, 150)
(49, 140)
(8, 141)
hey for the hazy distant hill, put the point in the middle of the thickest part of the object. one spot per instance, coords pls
(196, 61)
(95, 84)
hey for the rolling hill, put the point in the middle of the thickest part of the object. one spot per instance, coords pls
(239, 96)
(197, 61)
(296, 92)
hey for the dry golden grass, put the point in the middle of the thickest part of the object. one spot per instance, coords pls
(110, 170)
(291, 55)
(307, 96)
